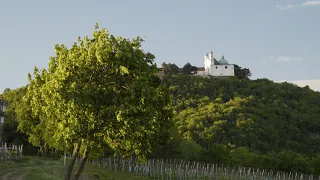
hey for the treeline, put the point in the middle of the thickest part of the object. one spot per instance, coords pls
(253, 123)
(188, 69)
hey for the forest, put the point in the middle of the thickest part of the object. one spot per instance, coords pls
(128, 110)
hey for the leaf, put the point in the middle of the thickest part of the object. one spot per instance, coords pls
(123, 70)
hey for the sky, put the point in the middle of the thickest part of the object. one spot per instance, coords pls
(275, 39)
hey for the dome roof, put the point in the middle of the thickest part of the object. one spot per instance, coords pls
(215, 62)
(223, 61)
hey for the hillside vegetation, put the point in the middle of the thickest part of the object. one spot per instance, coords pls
(257, 123)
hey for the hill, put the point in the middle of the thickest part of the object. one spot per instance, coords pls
(219, 116)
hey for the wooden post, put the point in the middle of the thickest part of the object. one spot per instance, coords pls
(65, 158)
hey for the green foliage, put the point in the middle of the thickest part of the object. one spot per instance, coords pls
(10, 134)
(171, 69)
(315, 165)
(103, 91)
(255, 123)
(292, 161)
(261, 115)
(216, 153)
(242, 73)
(190, 150)
(189, 69)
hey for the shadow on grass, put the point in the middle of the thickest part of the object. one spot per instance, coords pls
(35, 168)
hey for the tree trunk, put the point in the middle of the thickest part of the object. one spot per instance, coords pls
(73, 160)
(45, 151)
(82, 164)
(55, 154)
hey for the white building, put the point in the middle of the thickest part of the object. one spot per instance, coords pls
(214, 67)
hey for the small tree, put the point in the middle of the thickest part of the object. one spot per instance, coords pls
(172, 69)
(189, 69)
(101, 91)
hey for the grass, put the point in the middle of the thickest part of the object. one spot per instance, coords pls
(36, 168)
(30, 168)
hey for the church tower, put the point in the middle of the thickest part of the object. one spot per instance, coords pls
(217, 68)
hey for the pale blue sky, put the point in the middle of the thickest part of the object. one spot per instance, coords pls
(275, 39)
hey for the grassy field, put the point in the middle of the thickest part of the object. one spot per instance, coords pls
(34, 168)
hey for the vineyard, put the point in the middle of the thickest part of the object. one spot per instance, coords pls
(10, 151)
(117, 168)
(178, 169)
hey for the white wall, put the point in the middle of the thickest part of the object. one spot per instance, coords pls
(222, 70)
(217, 70)
(201, 73)
(207, 62)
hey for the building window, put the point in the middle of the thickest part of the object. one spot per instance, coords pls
(226, 67)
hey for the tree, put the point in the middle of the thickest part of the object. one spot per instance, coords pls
(102, 90)
(13, 97)
(10, 134)
(189, 69)
(6, 90)
(241, 73)
(172, 69)
(190, 150)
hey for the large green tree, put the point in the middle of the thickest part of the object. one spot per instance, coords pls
(103, 90)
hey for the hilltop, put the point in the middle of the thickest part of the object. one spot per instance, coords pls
(314, 84)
